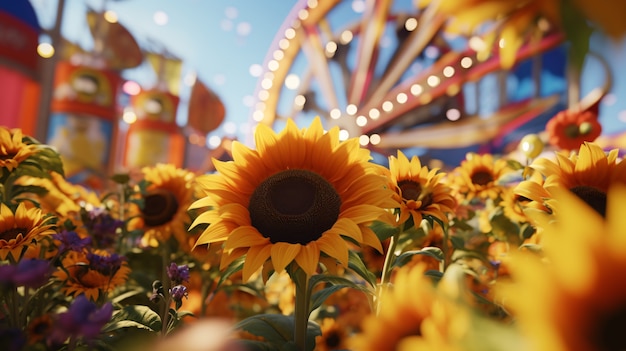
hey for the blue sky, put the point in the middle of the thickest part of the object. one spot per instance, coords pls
(220, 40)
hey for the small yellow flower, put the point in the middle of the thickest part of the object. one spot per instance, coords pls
(478, 177)
(22, 229)
(12, 149)
(420, 191)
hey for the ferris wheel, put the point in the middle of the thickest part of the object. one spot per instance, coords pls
(384, 71)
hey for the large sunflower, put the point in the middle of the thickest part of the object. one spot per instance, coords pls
(573, 299)
(167, 198)
(478, 177)
(588, 174)
(21, 229)
(299, 195)
(420, 191)
(12, 149)
(92, 273)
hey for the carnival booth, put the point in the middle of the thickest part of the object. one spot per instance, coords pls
(19, 81)
(85, 105)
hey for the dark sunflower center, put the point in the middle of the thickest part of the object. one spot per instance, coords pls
(333, 340)
(608, 334)
(12, 233)
(294, 206)
(593, 197)
(160, 206)
(410, 190)
(482, 177)
(413, 191)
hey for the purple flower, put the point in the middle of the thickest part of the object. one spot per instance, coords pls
(70, 241)
(82, 319)
(102, 227)
(178, 274)
(178, 292)
(30, 273)
(107, 265)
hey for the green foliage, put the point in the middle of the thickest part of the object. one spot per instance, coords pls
(135, 316)
(276, 332)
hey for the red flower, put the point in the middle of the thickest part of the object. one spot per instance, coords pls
(568, 129)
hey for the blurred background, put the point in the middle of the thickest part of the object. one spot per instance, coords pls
(117, 85)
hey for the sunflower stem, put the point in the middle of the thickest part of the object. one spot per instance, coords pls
(301, 310)
(165, 279)
(386, 273)
(445, 247)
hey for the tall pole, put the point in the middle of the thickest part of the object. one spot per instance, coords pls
(47, 69)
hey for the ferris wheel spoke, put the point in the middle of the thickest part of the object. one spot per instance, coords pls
(314, 51)
(367, 50)
(431, 22)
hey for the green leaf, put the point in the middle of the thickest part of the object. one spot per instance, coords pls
(383, 230)
(457, 242)
(119, 298)
(233, 268)
(277, 330)
(136, 316)
(356, 264)
(462, 254)
(121, 178)
(430, 251)
(578, 32)
(434, 275)
(336, 284)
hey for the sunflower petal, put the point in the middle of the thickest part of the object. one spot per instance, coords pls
(255, 258)
(245, 236)
(347, 227)
(334, 246)
(308, 258)
(283, 254)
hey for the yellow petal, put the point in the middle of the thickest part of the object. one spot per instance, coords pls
(334, 246)
(255, 258)
(283, 253)
(347, 227)
(308, 258)
(245, 236)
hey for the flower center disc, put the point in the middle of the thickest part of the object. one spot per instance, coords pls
(592, 196)
(481, 178)
(159, 208)
(294, 206)
(12, 233)
(410, 190)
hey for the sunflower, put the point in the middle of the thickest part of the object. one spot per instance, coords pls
(568, 129)
(167, 197)
(334, 336)
(413, 311)
(61, 197)
(12, 148)
(420, 191)
(299, 195)
(21, 229)
(93, 273)
(588, 174)
(478, 177)
(573, 298)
